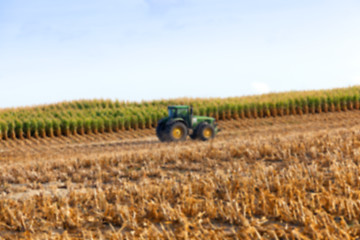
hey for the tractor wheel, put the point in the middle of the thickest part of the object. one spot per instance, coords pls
(205, 132)
(194, 135)
(160, 132)
(176, 131)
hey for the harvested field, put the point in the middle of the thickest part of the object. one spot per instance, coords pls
(294, 177)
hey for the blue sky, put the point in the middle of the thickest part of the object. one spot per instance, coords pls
(137, 50)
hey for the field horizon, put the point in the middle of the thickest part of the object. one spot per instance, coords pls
(179, 99)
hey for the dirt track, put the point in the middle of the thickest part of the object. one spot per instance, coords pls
(76, 146)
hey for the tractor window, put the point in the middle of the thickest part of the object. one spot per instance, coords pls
(182, 112)
(172, 112)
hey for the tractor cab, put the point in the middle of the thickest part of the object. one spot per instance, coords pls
(181, 112)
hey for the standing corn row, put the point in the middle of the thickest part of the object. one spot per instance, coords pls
(100, 116)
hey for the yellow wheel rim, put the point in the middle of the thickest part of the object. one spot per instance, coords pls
(207, 132)
(178, 132)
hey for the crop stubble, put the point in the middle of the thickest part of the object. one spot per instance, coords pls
(290, 177)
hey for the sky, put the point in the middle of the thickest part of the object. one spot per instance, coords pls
(134, 50)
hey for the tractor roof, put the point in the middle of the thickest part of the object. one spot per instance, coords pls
(179, 106)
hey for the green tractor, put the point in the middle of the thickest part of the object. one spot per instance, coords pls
(180, 123)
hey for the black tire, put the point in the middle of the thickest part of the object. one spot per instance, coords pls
(205, 132)
(176, 131)
(160, 132)
(194, 135)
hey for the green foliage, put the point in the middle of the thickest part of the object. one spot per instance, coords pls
(127, 123)
(11, 128)
(40, 126)
(3, 130)
(87, 125)
(18, 128)
(94, 125)
(105, 124)
(56, 126)
(49, 128)
(33, 127)
(73, 125)
(26, 128)
(121, 122)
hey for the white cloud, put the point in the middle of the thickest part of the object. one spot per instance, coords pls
(260, 87)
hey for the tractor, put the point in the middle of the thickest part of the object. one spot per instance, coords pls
(180, 123)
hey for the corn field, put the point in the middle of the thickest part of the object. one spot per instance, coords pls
(295, 177)
(99, 116)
